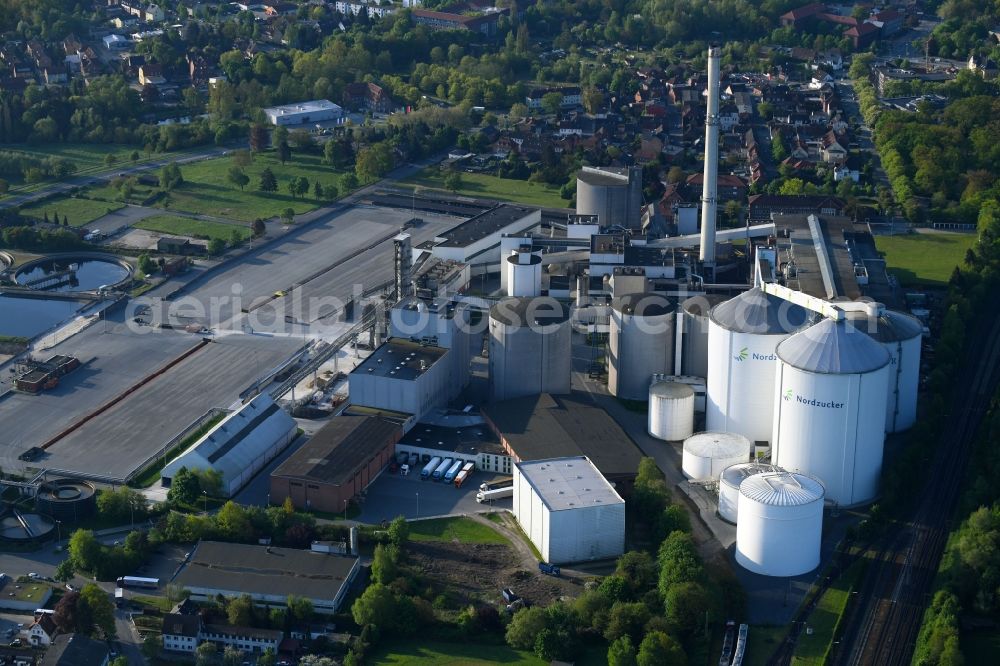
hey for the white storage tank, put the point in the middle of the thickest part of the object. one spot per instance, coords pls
(524, 273)
(640, 343)
(529, 347)
(671, 411)
(729, 486)
(781, 524)
(829, 415)
(706, 454)
(742, 335)
(901, 335)
(692, 328)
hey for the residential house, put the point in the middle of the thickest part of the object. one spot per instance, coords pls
(983, 66)
(796, 18)
(485, 23)
(368, 96)
(43, 631)
(891, 21)
(180, 632)
(832, 150)
(151, 74)
(199, 69)
(729, 117)
(862, 35)
(763, 206)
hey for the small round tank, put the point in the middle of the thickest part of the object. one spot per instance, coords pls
(671, 411)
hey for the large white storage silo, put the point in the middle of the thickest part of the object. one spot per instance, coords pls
(706, 454)
(742, 335)
(781, 524)
(901, 335)
(729, 486)
(529, 348)
(671, 411)
(640, 343)
(829, 415)
(692, 328)
(524, 273)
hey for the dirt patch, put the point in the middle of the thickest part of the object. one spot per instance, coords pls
(477, 572)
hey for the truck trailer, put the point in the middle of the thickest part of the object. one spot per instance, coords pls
(503, 482)
(442, 469)
(453, 471)
(484, 496)
(429, 468)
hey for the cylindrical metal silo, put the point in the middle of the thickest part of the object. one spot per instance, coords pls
(529, 347)
(729, 486)
(742, 335)
(692, 324)
(640, 343)
(901, 335)
(781, 524)
(524, 274)
(706, 454)
(829, 414)
(671, 411)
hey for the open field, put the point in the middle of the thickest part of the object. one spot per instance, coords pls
(812, 648)
(80, 212)
(491, 187)
(206, 189)
(434, 653)
(455, 529)
(926, 259)
(762, 641)
(189, 226)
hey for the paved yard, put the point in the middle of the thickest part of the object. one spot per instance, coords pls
(392, 495)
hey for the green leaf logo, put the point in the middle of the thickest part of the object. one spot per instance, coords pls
(788, 394)
(742, 356)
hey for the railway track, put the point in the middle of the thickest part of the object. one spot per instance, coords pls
(882, 629)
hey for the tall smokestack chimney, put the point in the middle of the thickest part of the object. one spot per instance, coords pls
(709, 190)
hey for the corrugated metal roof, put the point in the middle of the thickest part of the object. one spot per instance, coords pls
(734, 475)
(890, 326)
(782, 489)
(753, 311)
(671, 390)
(831, 347)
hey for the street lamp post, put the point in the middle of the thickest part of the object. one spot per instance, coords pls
(204, 494)
(345, 510)
(418, 504)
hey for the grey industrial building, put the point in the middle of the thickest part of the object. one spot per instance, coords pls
(613, 194)
(404, 376)
(474, 443)
(267, 574)
(477, 240)
(547, 426)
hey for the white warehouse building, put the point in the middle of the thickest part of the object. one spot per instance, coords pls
(240, 445)
(569, 510)
(314, 111)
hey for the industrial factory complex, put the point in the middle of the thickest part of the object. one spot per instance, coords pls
(542, 353)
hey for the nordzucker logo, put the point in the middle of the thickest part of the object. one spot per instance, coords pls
(812, 402)
(742, 356)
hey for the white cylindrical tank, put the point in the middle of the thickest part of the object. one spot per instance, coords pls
(901, 335)
(780, 525)
(529, 347)
(640, 343)
(742, 335)
(829, 414)
(524, 274)
(671, 411)
(729, 486)
(706, 454)
(693, 321)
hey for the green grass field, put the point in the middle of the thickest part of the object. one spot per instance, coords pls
(811, 649)
(761, 644)
(434, 653)
(80, 212)
(924, 259)
(454, 529)
(207, 191)
(491, 187)
(88, 158)
(189, 226)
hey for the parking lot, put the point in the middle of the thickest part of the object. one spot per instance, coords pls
(392, 495)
